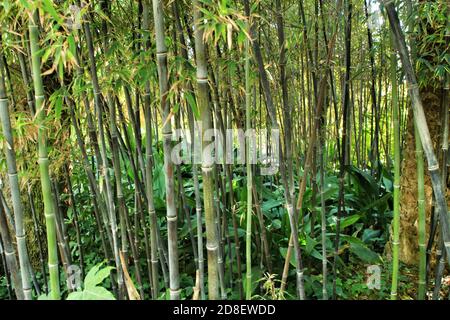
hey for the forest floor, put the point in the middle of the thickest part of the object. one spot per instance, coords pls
(356, 284)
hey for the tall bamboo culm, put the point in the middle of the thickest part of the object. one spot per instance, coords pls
(14, 184)
(396, 218)
(149, 164)
(248, 236)
(421, 215)
(49, 207)
(161, 55)
(207, 165)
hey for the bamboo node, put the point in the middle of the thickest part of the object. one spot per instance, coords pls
(212, 247)
(412, 86)
(433, 168)
(161, 54)
(175, 218)
(3, 99)
(207, 168)
(202, 80)
(41, 159)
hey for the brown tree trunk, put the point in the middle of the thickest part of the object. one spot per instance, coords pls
(409, 249)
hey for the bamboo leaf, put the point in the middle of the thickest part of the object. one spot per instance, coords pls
(48, 7)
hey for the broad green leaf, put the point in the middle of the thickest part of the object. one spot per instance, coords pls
(97, 293)
(283, 252)
(77, 295)
(364, 253)
(96, 275)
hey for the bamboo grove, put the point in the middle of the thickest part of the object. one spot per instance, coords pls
(224, 149)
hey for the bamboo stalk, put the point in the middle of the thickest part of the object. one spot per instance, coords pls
(248, 233)
(396, 215)
(10, 255)
(49, 206)
(161, 55)
(14, 185)
(207, 165)
(149, 168)
(5, 270)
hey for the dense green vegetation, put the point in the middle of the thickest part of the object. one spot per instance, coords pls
(224, 149)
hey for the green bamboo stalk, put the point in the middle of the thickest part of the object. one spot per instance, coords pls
(49, 206)
(5, 269)
(14, 184)
(10, 255)
(207, 165)
(149, 164)
(248, 235)
(421, 215)
(396, 216)
(161, 55)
